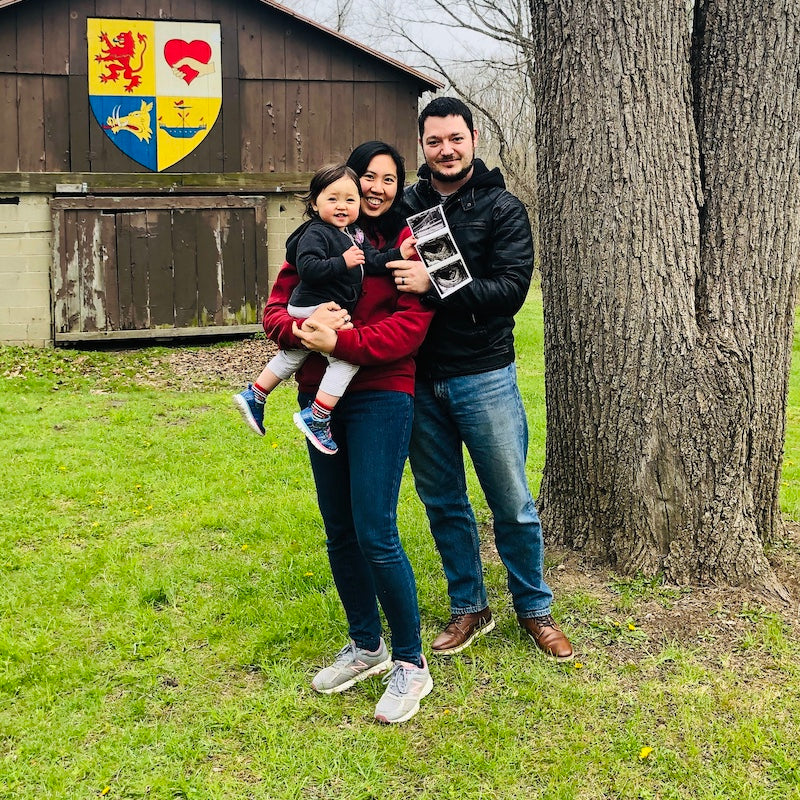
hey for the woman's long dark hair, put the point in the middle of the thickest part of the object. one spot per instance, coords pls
(388, 225)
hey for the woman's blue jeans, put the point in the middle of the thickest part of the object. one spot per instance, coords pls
(357, 492)
(485, 413)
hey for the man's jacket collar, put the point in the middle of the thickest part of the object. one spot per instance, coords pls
(481, 178)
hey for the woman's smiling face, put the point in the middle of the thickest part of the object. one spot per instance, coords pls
(378, 186)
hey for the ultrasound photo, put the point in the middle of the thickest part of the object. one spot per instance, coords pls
(434, 251)
(438, 250)
(449, 277)
(427, 222)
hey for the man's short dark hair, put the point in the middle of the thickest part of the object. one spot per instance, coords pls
(446, 107)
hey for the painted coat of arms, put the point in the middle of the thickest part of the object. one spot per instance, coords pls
(155, 87)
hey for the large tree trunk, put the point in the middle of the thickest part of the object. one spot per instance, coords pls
(669, 210)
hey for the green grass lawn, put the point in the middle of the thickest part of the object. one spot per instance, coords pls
(165, 599)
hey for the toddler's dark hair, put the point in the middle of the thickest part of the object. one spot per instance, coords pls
(323, 178)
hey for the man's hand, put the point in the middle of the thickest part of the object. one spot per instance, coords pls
(410, 276)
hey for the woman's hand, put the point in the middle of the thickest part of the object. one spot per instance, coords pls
(332, 315)
(315, 336)
(410, 276)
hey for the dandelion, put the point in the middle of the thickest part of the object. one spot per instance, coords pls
(644, 753)
(578, 665)
(274, 445)
(631, 626)
(105, 791)
(63, 468)
(245, 547)
(308, 574)
(149, 508)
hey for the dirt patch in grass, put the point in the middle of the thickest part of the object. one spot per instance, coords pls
(628, 618)
(230, 364)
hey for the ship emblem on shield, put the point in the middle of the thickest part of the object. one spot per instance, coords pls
(155, 87)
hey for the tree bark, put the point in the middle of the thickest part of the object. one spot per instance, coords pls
(668, 192)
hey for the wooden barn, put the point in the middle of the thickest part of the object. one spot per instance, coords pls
(151, 152)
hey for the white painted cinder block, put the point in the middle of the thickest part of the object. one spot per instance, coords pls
(25, 257)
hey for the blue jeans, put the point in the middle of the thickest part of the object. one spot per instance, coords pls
(357, 492)
(485, 413)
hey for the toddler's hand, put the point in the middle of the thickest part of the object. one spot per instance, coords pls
(407, 249)
(353, 257)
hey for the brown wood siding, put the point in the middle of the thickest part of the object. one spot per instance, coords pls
(30, 39)
(321, 116)
(8, 41)
(80, 155)
(184, 236)
(78, 10)
(249, 42)
(232, 132)
(251, 97)
(297, 144)
(56, 36)
(56, 123)
(274, 137)
(342, 121)
(30, 107)
(144, 264)
(293, 97)
(9, 135)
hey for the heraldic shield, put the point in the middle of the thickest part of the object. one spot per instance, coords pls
(155, 87)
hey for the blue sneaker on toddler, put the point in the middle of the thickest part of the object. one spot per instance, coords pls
(317, 431)
(251, 411)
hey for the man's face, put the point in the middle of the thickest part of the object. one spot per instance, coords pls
(449, 148)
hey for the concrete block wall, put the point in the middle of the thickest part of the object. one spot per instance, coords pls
(26, 252)
(284, 214)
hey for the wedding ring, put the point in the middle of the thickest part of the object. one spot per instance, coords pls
(402, 281)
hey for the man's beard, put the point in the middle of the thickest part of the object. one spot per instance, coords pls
(453, 177)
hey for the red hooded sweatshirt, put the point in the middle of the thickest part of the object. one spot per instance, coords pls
(388, 328)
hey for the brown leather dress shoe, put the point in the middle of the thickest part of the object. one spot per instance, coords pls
(547, 636)
(461, 632)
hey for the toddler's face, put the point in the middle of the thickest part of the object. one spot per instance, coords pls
(338, 203)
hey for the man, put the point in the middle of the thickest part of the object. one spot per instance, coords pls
(466, 389)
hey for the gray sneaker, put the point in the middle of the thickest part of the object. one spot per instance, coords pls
(352, 664)
(407, 685)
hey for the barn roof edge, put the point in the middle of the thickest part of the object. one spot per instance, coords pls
(426, 80)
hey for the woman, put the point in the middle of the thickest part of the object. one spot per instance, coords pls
(358, 488)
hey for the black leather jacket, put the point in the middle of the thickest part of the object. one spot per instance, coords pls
(472, 330)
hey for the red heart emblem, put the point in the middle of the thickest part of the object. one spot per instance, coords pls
(176, 50)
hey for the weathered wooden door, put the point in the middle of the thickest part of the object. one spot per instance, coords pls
(128, 267)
